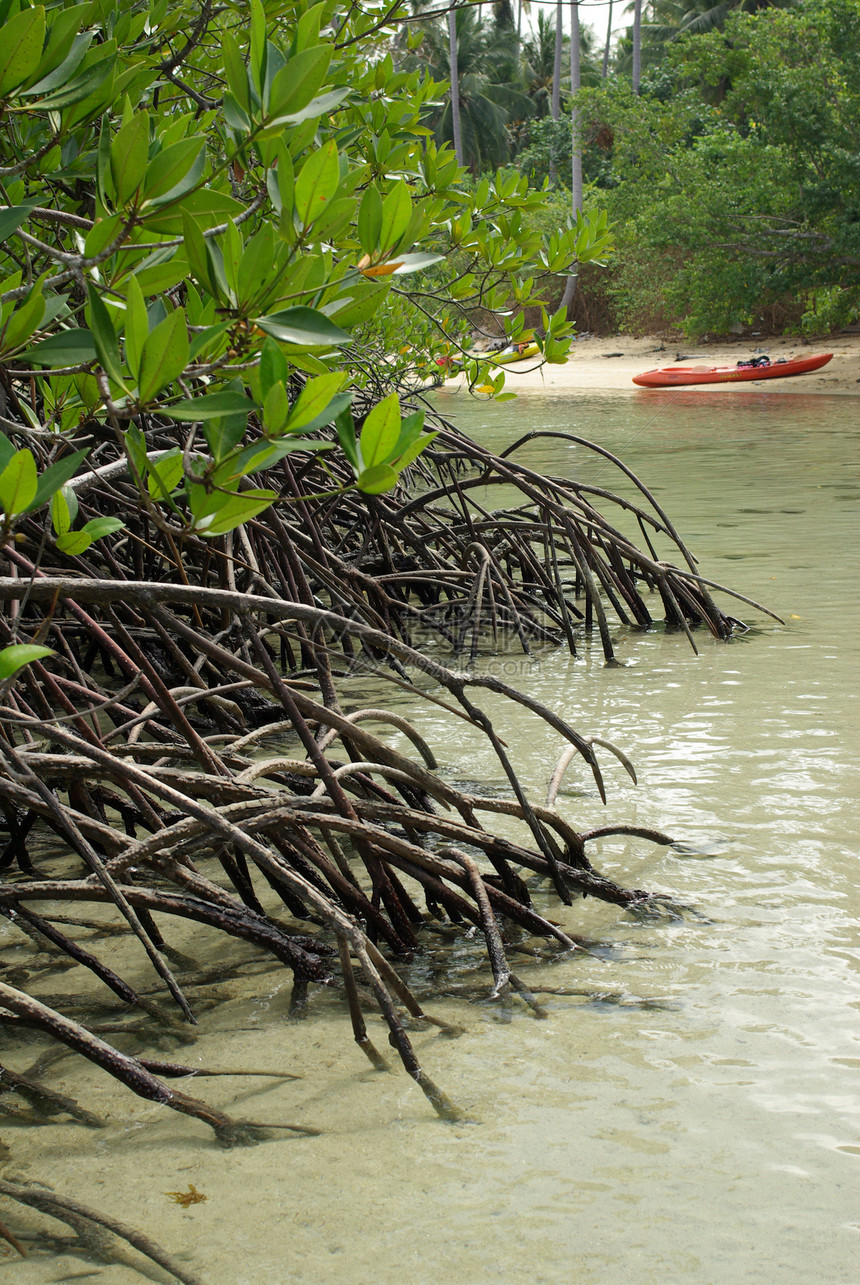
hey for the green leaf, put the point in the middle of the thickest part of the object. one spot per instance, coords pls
(273, 366)
(235, 70)
(98, 527)
(104, 336)
(12, 218)
(380, 432)
(74, 542)
(276, 409)
(136, 326)
(169, 166)
(322, 105)
(18, 655)
(346, 436)
(23, 322)
(62, 74)
(375, 480)
(396, 212)
(128, 156)
(317, 182)
(73, 347)
(84, 86)
(23, 37)
(164, 355)
(165, 474)
(239, 508)
(410, 429)
(302, 326)
(61, 513)
(295, 85)
(182, 190)
(405, 458)
(314, 398)
(198, 254)
(370, 220)
(264, 454)
(210, 406)
(7, 450)
(257, 63)
(18, 483)
(55, 477)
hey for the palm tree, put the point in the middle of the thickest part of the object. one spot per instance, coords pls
(454, 71)
(470, 55)
(539, 64)
(608, 39)
(576, 149)
(637, 45)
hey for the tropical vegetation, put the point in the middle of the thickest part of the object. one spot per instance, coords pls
(236, 254)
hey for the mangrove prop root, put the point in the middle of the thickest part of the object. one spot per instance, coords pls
(152, 777)
(84, 1221)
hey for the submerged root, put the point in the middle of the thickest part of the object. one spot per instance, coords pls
(185, 754)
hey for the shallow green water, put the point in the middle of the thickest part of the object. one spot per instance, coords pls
(689, 1112)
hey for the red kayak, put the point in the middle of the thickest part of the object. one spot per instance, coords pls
(671, 376)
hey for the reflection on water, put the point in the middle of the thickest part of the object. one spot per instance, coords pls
(688, 1110)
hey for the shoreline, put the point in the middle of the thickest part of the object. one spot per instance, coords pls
(609, 365)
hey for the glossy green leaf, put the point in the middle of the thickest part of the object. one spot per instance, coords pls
(239, 508)
(96, 528)
(74, 543)
(164, 356)
(273, 366)
(104, 337)
(211, 406)
(276, 409)
(63, 72)
(129, 154)
(375, 480)
(12, 218)
(314, 398)
(380, 432)
(23, 322)
(18, 655)
(55, 477)
(18, 483)
(87, 84)
(21, 48)
(165, 473)
(295, 85)
(71, 347)
(396, 212)
(317, 182)
(302, 326)
(169, 166)
(136, 326)
(370, 220)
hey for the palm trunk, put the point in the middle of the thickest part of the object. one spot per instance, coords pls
(455, 87)
(576, 141)
(606, 46)
(637, 46)
(556, 69)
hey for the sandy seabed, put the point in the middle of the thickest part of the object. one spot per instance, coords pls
(611, 363)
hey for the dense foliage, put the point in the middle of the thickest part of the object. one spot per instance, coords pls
(225, 234)
(733, 179)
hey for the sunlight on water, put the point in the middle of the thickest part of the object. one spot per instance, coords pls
(688, 1112)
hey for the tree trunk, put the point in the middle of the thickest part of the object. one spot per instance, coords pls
(556, 68)
(608, 39)
(637, 45)
(455, 87)
(576, 141)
